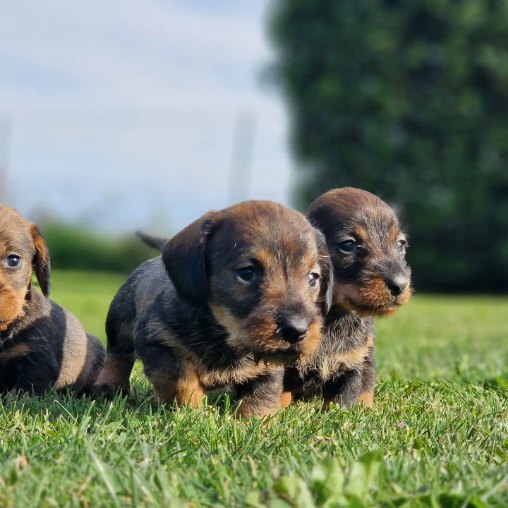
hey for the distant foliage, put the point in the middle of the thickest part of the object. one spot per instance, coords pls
(408, 99)
(72, 247)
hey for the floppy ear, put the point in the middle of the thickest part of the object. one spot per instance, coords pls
(185, 259)
(326, 288)
(40, 261)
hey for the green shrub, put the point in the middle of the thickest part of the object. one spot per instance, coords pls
(407, 99)
(73, 247)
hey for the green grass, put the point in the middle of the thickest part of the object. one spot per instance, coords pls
(87, 295)
(437, 436)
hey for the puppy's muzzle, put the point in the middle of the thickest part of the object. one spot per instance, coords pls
(397, 284)
(294, 329)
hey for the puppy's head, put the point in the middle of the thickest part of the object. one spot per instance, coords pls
(367, 249)
(22, 250)
(264, 273)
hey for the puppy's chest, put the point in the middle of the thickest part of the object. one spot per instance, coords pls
(216, 363)
(233, 374)
(219, 365)
(14, 344)
(344, 346)
(13, 350)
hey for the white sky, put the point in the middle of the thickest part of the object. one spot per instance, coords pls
(122, 113)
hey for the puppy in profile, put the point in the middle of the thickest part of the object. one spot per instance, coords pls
(234, 297)
(371, 278)
(42, 346)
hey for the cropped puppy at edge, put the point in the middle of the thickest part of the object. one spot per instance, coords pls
(42, 346)
(245, 295)
(371, 278)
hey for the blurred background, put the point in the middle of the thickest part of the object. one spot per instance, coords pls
(125, 115)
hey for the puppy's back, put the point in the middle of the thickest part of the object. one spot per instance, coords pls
(82, 356)
(132, 299)
(136, 294)
(58, 344)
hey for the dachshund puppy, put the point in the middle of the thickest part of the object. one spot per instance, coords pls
(42, 346)
(371, 278)
(234, 297)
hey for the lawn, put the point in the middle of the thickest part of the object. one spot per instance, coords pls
(437, 436)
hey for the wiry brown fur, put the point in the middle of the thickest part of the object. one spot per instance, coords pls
(372, 279)
(42, 346)
(205, 326)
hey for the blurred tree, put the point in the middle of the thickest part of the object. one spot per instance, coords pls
(407, 99)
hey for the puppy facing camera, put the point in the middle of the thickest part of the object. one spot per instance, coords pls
(234, 297)
(371, 278)
(42, 346)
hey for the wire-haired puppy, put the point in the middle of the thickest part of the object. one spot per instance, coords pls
(234, 297)
(371, 278)
(42, 346)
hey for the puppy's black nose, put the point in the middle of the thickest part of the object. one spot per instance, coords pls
(294, 329)
(397, 284)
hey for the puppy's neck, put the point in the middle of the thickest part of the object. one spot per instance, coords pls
(344, 322)
(337, 312)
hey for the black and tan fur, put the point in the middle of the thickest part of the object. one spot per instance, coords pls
(42, 346)
(371, 278)
(246, 290)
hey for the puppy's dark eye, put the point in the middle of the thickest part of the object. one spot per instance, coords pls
(402, 244)
(313, 279)
(348, 245)
(12, 261)
(245, 274)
